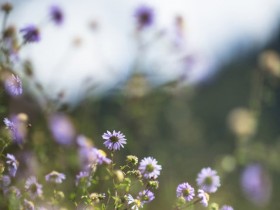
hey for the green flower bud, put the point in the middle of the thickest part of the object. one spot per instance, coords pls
(132, 159)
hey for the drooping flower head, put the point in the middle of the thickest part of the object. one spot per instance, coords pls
(144, 16)
(134, 202)
(12, 164)
(149, 168)
(208, 180)
(225, 207)
(56, 14)
(186, 191)
(13, 85)
(204, 197)
(30, 34)
(256, 184)
(114, 141)
(33, 187)
(146, 196)
(55, 177)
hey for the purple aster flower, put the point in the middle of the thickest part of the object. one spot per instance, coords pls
(62, 129)
(83, 177)
(13, 85)
(114, 141)
(144, 16)
(12, 165)
(136, 203)
(55, 177)
(225, 207)
(204, 197)
(149, 168)
(17, 127)
(56, 14)
(33, 187)
(186, 191)
(256, 184)
(9, 124)
(30, 34)
(91, 156)
(208, 180)
(146, 196)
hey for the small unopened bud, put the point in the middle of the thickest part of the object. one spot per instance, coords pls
(95, 197)
(6, 7)
(119, 175)
(153, 184)
(132, 159)
(59, 195)
(214, 206)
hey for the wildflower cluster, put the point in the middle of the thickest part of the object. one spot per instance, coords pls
(207, 182)
(101, 180)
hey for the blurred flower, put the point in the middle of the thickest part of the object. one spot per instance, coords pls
(242, 122)
(118, 174)
(83, 141)
(208, 180)
(55, 177)
(136, 203)
(83, 177)
(137, 86)
(114, 141)
(13, 85)
(225, 207)
(90, 156)
(62, 129)
(5, 181)
(30, 34)
(17, 127)
(12, 191)
(256, 184)
(186, 191)
(149, 168)
(12, 164)
(146, 196)
(6, 7)
(28, 205)
(270, 61)
(101, 157)
(144, 15)
(56, 14)
(204, 197)
(33, 187)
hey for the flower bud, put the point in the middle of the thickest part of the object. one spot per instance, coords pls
(132, 159)
(119, 175)
(153, 184)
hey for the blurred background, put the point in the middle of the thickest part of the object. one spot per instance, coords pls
(192, 84)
